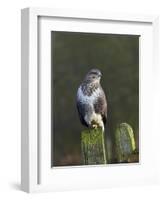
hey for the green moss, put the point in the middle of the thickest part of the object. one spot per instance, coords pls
(92, 136)
(93, 146)
(125, 142)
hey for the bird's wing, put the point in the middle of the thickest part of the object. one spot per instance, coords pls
(81, 110)
(100, 106)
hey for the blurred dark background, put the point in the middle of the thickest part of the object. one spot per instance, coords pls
(73, 55)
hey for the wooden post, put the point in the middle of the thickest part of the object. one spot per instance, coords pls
(124, 143)
(93, 147)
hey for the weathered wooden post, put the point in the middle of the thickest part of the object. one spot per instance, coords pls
(124, 143)
(93, 147)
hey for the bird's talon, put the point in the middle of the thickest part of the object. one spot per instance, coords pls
(94, 126)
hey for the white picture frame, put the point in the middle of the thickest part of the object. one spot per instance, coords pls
(36, 171)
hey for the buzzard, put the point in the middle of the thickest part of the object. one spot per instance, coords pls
(91, 101)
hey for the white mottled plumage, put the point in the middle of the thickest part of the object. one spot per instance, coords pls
(88, 99)
(91, 101)
(84, 99)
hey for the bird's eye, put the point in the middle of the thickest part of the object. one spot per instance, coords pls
(93, 76)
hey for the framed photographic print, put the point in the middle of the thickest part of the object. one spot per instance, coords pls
(89, 86)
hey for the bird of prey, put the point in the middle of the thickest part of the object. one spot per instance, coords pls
(91, 101)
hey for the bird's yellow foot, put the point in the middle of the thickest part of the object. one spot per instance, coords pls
(95, 126)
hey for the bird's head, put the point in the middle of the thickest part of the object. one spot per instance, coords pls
(93, 76)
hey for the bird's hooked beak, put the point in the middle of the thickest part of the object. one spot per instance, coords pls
(99, 75)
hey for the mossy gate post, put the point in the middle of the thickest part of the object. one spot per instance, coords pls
(125, 146)
(93, 147)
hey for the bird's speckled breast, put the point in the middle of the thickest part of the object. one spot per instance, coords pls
(85, 99)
